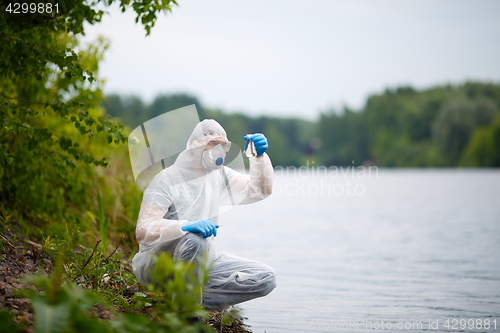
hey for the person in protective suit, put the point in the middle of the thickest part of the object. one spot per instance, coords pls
(180, 208)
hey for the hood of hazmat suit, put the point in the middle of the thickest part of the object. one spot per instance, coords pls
(195, 186)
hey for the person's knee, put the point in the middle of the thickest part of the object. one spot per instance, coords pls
(270, 282)
(191, 246)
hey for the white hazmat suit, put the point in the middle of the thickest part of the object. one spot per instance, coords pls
(187, 191)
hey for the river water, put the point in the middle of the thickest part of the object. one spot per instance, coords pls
(398, 250)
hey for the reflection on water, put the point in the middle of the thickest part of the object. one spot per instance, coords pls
(415, 246)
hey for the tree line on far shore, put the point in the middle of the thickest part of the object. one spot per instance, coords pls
(444, 126)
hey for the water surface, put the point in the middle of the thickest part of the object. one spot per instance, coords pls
(403, 246)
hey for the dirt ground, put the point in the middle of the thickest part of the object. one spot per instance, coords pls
(19, 259)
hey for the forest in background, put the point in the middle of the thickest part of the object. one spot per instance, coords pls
(444, 126)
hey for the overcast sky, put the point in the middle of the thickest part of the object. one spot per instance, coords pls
(298, 58)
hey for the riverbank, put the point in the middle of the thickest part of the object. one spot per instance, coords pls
(21, 258)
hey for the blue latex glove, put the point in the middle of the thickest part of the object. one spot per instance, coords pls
(260, 142)
(206, 227)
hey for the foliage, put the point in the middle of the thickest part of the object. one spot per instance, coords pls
(8, 323)
(103, 222)
(177, 291)
(290, 137)
(456, 121)
(53, 133)
(132, 111)
(344, 138)
(65, 307)
(484, 147)
(409, 128)
(401, 127)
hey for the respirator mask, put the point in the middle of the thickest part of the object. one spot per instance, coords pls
(213, 158)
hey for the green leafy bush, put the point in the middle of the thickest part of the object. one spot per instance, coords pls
(484, 147)
(174, 303)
